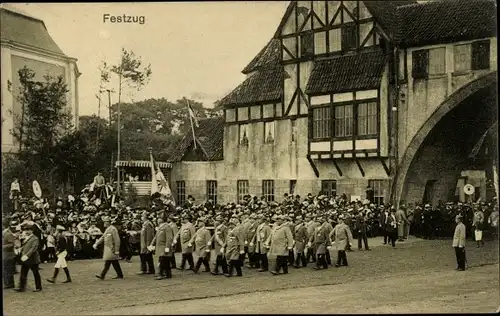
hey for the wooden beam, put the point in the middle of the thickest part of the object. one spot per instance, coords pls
(360, 167)
(337, 167)
(202, 149)
(313, 166)
(386, 168)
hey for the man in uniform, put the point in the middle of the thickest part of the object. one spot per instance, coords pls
(163, 243)
(111, 240)
(341, 237)
(234, 247)
(301, 239)
(262, 234)
(250, 231)
(218, 240)
(146, 256)
(361, 229)
(30, 259)
(288, 221)
(383, 223)
(202, 242)
(280, 242)
(9, 263)
(61, 253)
(459, 243)
(171, 222)
(311, 226)
(185, 234)
(320, 239)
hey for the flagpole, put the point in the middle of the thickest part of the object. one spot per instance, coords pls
(191, 120)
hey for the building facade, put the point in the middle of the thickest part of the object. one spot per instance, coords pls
(25, 41)
(345, 96)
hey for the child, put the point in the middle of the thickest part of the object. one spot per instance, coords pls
(51, 246)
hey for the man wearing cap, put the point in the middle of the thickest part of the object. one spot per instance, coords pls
(459, 243)
(402, 221)
(8, 259)
(301, 239)
(250, 232)
(218, 240)
(147, 235)
(30, 259)
(311, 226)
(392, 227)
(320, 240)
(360, 226)
(341, 237)
(280, 242)
(163, 243)
(261, 235)
(185, 234)
(171, 222)
(111, 240)
(234, 247)
(202, 242)
(61, 252)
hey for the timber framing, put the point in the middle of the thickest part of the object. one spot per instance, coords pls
(360, 167)
(313, 166)
(337, 167)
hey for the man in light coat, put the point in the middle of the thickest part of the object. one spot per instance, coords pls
(459, 243)
(234, 247)
(111, 240)
(341, 237)
(280, 242)
(202, 242)
(218, 240)
(163, 245)
(402, 221)
(311, 226)
(146, 256)
(185, 234)
(262, 234)
(171, 222)
(320, 240)
(301, 239)
(30, 259)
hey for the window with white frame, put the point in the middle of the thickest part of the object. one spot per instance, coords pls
(242, 188)
(462, 57)
(321, 123)
(243, 134)
(343, 120)
(212, 191)
(269, 132)
(268, 190)
(367, 118)
(378, 191)
(437, 61)
(181, 192)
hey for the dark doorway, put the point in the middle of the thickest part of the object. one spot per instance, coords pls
(429, 191)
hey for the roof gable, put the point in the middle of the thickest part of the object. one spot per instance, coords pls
(210, 134)
(269, 56)
(19, 28)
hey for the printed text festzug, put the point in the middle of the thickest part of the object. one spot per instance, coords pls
(108, 18)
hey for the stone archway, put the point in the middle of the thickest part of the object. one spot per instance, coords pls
(458, 98)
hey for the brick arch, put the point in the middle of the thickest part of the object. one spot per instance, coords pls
(444, 108)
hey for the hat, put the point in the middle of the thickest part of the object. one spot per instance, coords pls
(427, 205)
(106, 219)
(202, 219)
(218, 218)
(27, 226)
(459, 216)
(299, 217)
(60, 227)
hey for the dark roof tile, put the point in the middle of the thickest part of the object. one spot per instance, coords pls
(265, 85)
(23, 29)
(347, 73)
(436, 22)
(210, 134)
(269, 56)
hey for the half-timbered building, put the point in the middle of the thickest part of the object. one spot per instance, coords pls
(335, 101)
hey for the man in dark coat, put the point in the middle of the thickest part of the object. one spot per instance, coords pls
(146, 256)
(361, 230)
(8, 259)
(30, 259)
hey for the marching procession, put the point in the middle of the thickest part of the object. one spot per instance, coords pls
(293, 233)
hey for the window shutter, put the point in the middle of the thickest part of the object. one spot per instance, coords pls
(481, 55)
(420, 60)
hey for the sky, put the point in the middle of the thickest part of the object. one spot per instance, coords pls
(195, 49)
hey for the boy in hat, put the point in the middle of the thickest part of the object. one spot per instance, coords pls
(111, 240)
(30, 259)
(218, 240)
(459, 243)
(61, 246)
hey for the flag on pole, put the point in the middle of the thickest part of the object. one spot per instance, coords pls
(191, 115)
(154, 180)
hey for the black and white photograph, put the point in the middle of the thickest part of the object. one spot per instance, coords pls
(250, 157)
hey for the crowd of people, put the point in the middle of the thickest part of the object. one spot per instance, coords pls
(297, 231)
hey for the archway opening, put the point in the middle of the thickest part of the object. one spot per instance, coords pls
(442, 164)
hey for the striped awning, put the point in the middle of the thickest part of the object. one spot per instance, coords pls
(142, 164)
